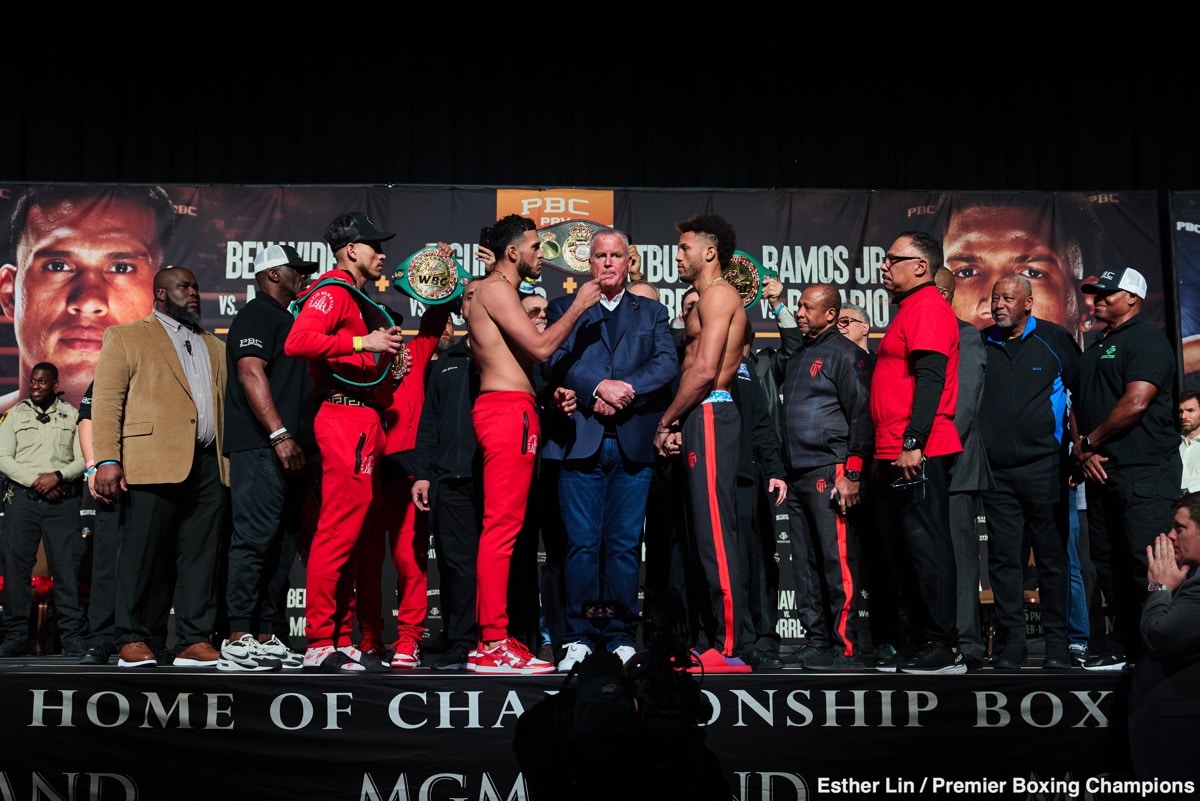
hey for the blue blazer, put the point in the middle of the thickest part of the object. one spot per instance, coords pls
(635, 347)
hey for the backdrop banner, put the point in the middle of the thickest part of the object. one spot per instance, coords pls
(1185, 245)
(806, 236)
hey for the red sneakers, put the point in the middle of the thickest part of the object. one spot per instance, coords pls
(510, 656)
(713, 661)
(408, 653)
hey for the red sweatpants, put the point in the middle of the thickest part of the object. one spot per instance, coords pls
(406, 530)
(351, 441)
(508, 430)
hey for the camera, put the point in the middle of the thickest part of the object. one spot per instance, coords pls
(664, 696)
(645, 714)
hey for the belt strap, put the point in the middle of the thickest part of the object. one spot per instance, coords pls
(345, 400)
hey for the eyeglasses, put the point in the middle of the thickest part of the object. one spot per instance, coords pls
(891, 260)
(536, 311)
(843, 322)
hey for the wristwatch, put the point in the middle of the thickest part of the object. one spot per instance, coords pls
(853, 475)
(910, 443)
(1155, 586)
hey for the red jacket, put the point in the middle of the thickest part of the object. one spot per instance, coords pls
(324, 333)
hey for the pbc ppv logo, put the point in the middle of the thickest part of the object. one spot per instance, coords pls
(250, 342)
(552, 206)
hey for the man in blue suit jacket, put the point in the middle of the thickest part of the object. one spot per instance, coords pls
(612, 378)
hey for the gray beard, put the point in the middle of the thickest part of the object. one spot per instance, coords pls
(184, 315)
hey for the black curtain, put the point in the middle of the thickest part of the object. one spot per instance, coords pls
(463, 126)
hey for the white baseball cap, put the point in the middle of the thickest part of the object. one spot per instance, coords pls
(1115, 280)
(283, 256)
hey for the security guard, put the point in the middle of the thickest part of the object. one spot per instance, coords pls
(41, 458)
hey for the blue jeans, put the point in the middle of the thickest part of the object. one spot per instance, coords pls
(1078, 627)
(603, 500)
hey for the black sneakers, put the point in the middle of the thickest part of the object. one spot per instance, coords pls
(832, 662)
(1057, 657)
(453, 658)
(1109, 660)
(14, 647)
(761, 659)
(1013, 656)
(887, 658)
(934, 659)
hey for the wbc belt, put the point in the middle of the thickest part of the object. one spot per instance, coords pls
(746, 274)
(429, 277)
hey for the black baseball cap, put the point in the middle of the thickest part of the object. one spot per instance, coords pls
(354, 226)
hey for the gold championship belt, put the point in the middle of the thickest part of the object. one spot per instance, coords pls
(430, 277)
(567, 245)
(746, 275)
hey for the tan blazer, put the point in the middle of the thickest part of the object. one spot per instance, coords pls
(142, 409)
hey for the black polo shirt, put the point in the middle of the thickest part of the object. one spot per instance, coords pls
(1133, 351)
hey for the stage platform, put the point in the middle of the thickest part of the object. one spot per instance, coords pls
(119, 734)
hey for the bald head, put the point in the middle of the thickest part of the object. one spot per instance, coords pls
(818, 309)
(177, 295)
(944, 278)
(169, 276)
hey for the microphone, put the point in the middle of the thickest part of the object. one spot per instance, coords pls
(187, 343)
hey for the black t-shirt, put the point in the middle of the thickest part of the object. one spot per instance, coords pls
(1133, 351)
(259, 330)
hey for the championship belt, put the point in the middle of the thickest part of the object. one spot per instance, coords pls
(746, 275)
(430, 277)
(567, 245)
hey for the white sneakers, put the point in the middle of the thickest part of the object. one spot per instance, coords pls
(246, 654)
(275, 649)
(576, 653)
(579, 651)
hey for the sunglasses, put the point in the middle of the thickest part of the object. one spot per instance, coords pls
(536, 311)
(903, 483)
(845, 321)
(890, 260)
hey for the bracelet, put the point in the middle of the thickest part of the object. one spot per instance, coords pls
(90, 463)
(278, 431)
(107, 461)
(358, 345)
(89, 472)
(282, 438)
(778, 309)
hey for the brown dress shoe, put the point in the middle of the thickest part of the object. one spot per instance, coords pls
(198, 654)
(136, 654)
